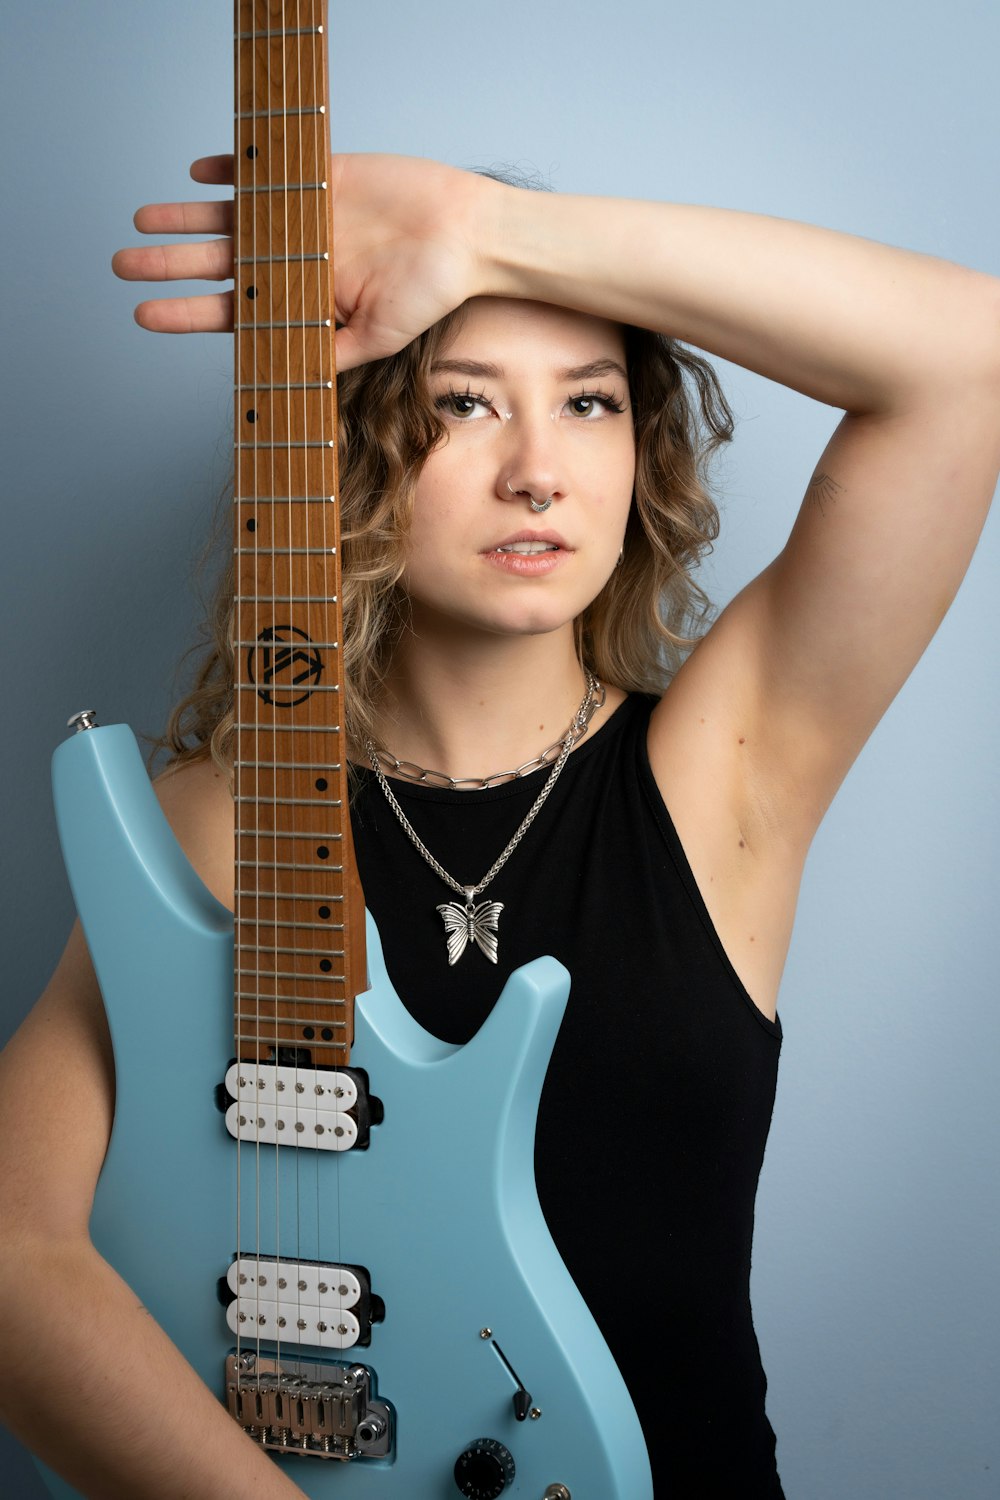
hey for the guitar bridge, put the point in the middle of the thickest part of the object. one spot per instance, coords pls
(309, 1409)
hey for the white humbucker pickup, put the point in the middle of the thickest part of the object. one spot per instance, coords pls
(293, 1302)
(305, 1107)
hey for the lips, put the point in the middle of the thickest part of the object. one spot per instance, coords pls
(548, 538)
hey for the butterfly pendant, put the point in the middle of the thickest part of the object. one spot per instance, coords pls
(478, 923)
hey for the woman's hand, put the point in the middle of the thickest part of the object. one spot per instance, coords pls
(406, 253)
(210, 260)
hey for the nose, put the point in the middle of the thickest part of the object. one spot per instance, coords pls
(534, 472)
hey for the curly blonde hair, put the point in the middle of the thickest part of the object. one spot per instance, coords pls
(635, 633)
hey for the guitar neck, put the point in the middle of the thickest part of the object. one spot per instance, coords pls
(300, 957)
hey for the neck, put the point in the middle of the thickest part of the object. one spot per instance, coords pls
(470, 705)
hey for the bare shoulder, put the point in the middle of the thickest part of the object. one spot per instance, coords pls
(198, 805)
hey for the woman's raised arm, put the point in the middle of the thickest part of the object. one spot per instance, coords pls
(906, 345)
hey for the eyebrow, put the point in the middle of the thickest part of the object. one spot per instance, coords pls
(589, 371)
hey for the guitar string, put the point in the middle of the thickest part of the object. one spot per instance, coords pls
(290, 489)
(272, 572)
(255, 459)
(307, 464)
(328, 465)
(237, 491)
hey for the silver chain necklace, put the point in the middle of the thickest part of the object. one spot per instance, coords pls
(410, 771)
(466, 922)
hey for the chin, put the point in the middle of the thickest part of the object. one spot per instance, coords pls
(520, 622)
(496, 611)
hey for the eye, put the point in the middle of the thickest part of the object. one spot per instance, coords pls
(595, 403)
(461, 404)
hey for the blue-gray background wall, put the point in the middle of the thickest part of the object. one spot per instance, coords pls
(879, 1219)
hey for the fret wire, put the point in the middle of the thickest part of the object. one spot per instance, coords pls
(320, 687)
(270, 260)
(325, 443)
(285, 551)
(333, 1023)
(255, 36)
(283, 896)
(325, 645)
(294, 1037)
(283, 187)
(266, 833)
(292, 801)
(248, 726)
(285, 599)
(287, 765)
(295, 385)
(272, 114)
(310, 978)
(302, 952)
(271, 864)
(288, 921)
(284, 499)
(251, 327)
(324, 1046)
(333, 1003)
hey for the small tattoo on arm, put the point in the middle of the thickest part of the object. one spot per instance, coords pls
(822, 490)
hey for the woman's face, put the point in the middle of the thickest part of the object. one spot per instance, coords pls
(535, 403)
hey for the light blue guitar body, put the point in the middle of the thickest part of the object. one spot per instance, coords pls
(441, 1209)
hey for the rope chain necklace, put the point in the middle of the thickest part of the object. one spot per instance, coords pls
(466, 922)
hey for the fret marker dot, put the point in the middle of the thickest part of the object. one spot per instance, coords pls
(324, 912)
(251, 416)
(325, 965)
(327, 1034)
(323, 852)
(251, 526)
(252, 152)
(251, 292)
(308, 1033)
(321, 783)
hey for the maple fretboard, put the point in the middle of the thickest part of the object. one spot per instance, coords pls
(300, 956)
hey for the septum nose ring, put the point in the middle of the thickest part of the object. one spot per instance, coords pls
(536, 505)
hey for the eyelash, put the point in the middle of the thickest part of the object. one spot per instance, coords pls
(610, 403)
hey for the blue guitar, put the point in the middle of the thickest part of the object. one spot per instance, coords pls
(331, 1213)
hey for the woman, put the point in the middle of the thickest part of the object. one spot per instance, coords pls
(665, 865)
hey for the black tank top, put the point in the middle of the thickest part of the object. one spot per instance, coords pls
(660, 1028)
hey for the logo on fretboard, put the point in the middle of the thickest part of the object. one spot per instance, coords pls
(288, 666)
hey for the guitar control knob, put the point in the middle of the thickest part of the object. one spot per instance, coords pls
(484, 1470)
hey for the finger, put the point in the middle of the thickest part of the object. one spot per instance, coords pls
(351, 347)
(348, 350)
(209, 314)
(210, 261)
(185, 218)
(213, 169)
